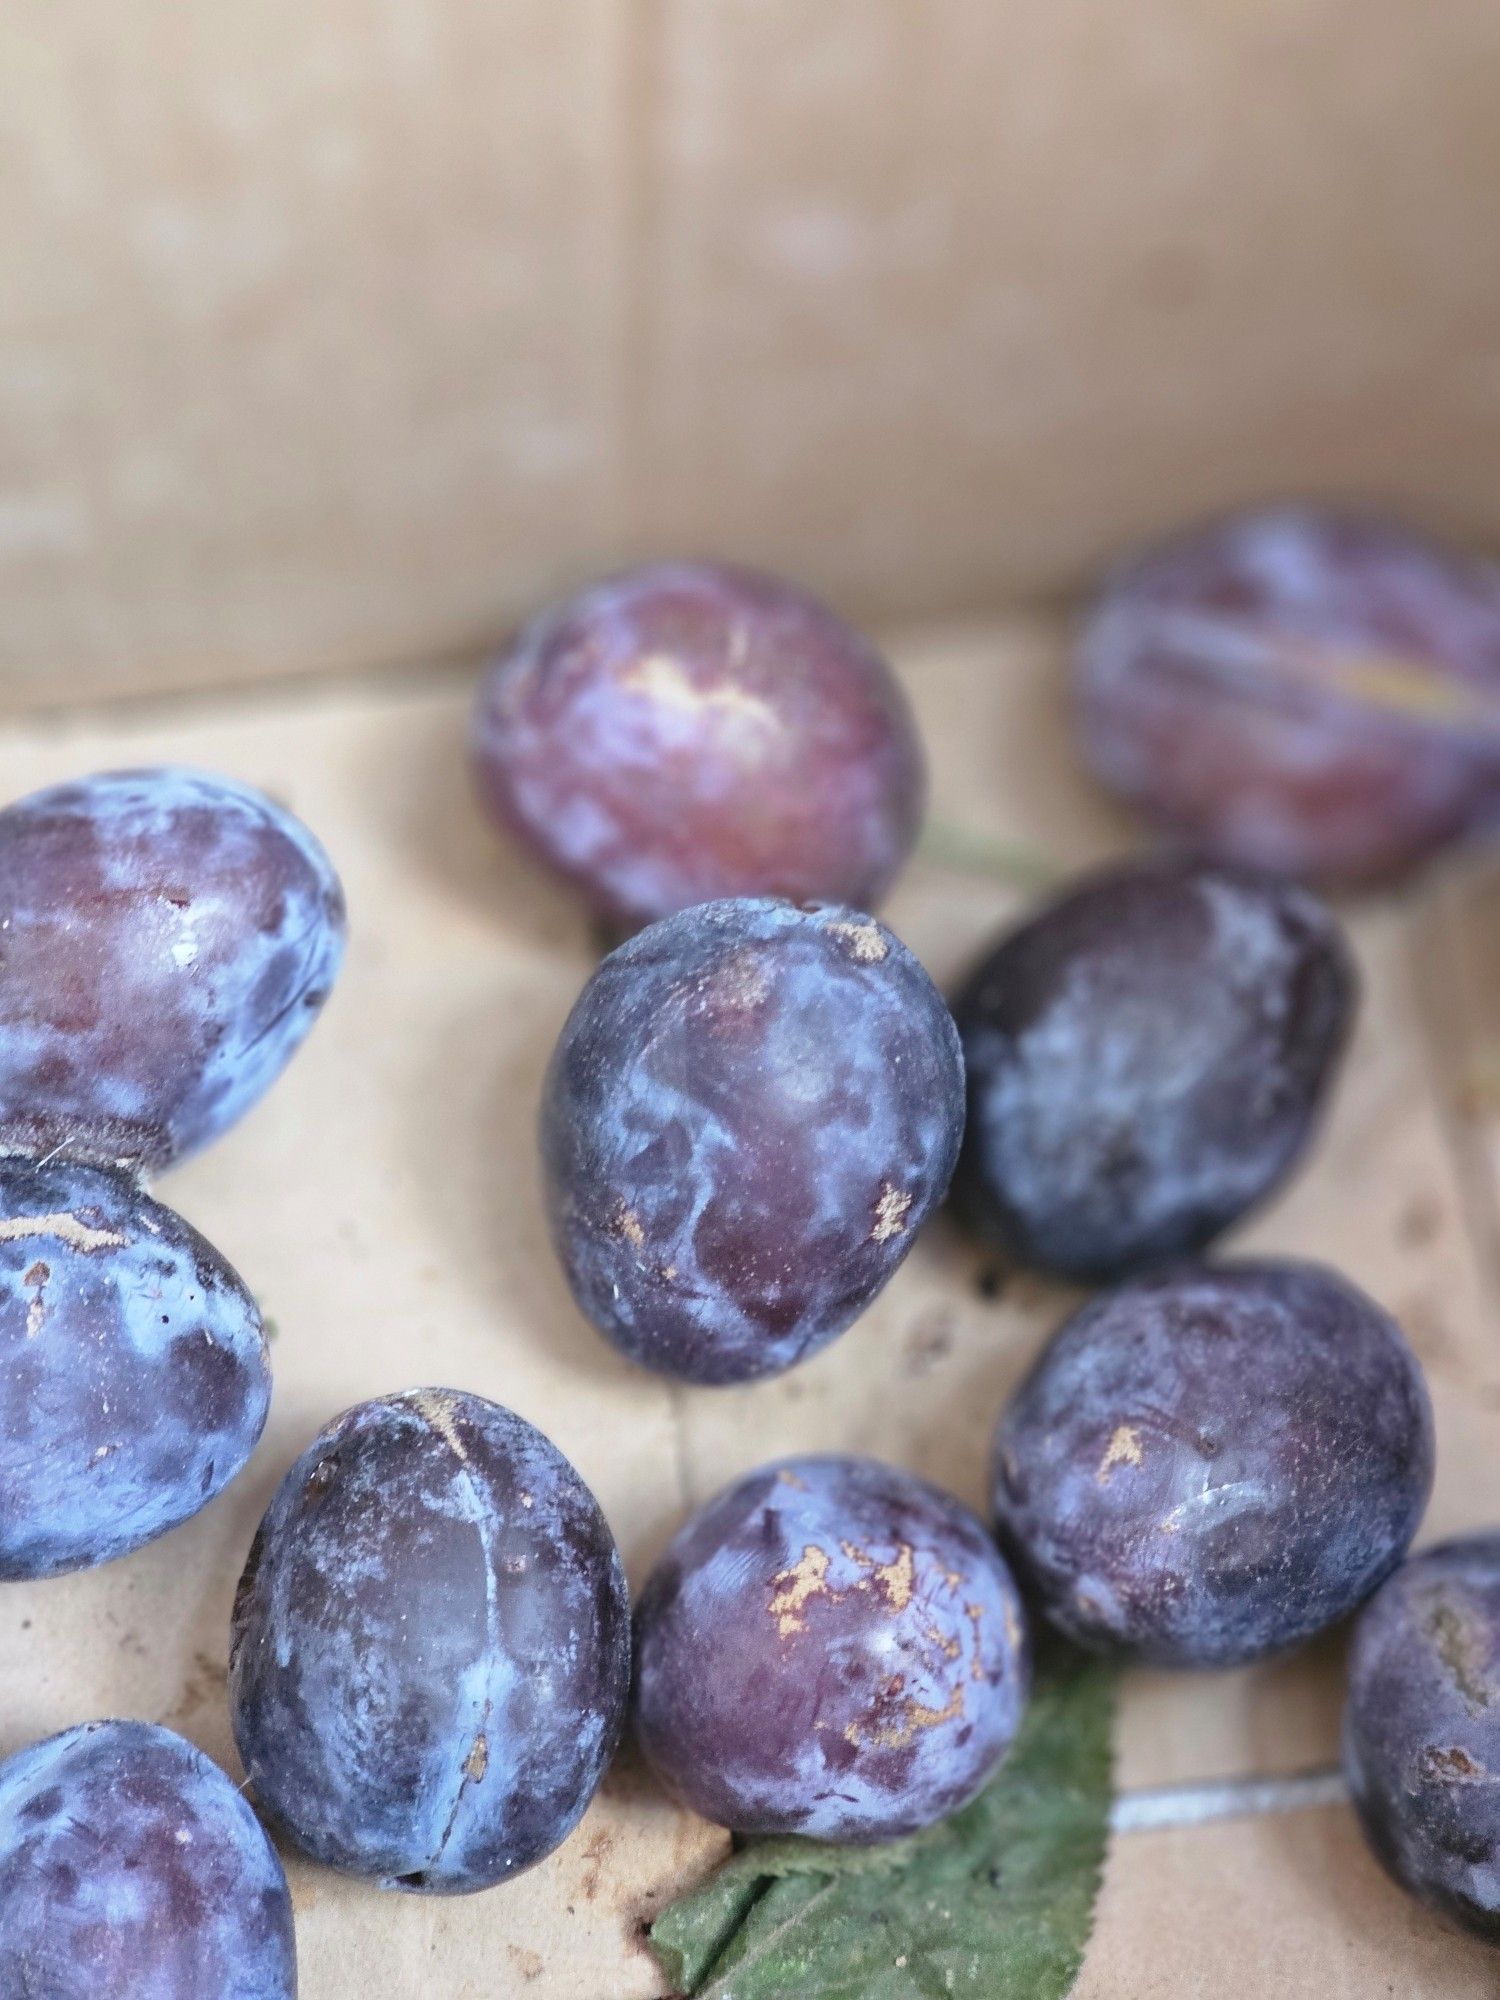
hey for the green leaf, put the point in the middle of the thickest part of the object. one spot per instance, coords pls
(995, 1904)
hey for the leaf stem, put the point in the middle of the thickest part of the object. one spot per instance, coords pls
(967, 850)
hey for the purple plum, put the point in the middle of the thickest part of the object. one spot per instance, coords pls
(1147, 1059)
(1422, 1728)
(431, 1646)
(1213, 1464)
(1300, 690)
(166, 940)
(687, 731)
(132, 1869)
(753, 1108)
(134, 1380)
(831, 1647)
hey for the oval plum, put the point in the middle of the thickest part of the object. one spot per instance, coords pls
(134, 1379)
(1422, 1728)
(431, 1645)
(751, 1111)
(130, 1867)
(1146, 1060)
(689, 731)
(1214, 1464)
(1299, 690)
(169, 937)
(831, 1647)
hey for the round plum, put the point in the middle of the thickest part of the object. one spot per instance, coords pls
(1422, 1728)
(1300, 690)
(831, 1647)
(431, 1645)
(131, 1867)
(687, 731)
(1146, 1059)
(752, 1110)
(1212, 1465)
(166, 940)
(134, 1379)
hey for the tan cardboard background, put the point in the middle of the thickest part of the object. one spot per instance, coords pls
(383, 1203)
(338, 334)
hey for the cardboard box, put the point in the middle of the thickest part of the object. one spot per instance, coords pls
(383, 1204)
(341, 334)
(338, 337)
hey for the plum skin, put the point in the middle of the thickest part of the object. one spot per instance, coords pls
(169, 937)
(752, 1109)
(130, 1866)
(832, 1647)
(1422, 1729)
(1303, 690)
(1211, 1465)
(134, 1378)
(687, 731)
(430, 1652)
(1146, 1059)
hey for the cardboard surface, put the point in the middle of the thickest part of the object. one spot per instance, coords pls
(308, 342)
(1266, 1909)
(383, 1204)
(340, 334)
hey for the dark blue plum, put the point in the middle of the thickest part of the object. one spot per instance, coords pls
(132, 1869)
(753, 1108)
(1422, 1729)
(1211, 1465)
(431, 1645)
(134, 1380)
(1147, 1059)
(690, 730)
(166, 940)
(832, 1647)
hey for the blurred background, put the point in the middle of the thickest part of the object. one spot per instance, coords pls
(339, 334)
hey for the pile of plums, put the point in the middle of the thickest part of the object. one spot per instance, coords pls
(166, 941)
(757, 1101)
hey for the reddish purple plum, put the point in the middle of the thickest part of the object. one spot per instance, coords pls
(688, 731)
(1214, 1464)
(1422, 1729)
(1300, 690)
(1147, 1059)
(752, 1110)
(132, 1869)
(832, 1647)
(430, 1656)
(166, 940)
